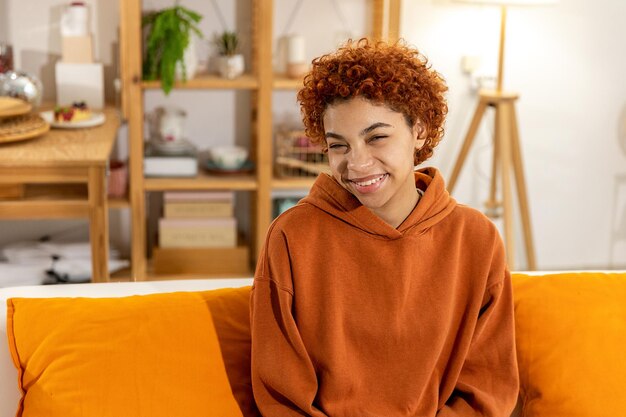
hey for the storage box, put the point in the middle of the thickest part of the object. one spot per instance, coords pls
(198, 196)
(198, 233)
(202, 260)
(80, 82)
(199, 204)
(77, 49)
(156, 164)
(197, 209)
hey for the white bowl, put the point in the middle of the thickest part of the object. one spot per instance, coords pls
(229, 157)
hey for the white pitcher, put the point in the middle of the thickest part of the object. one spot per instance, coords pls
(172, 125)
(75, 19)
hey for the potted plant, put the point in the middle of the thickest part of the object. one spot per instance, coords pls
(169, 46)
(231, 63)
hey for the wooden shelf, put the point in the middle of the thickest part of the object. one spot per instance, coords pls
(292, 183)
(210, 81)
(60, 193)
(201, 182)
(125, 275)
(44, 209)
(57, 201)
(118, 203)
(282, 82)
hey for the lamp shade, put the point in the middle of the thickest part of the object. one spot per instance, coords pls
(509, 2)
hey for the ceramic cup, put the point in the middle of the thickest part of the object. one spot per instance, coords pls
(229, 157)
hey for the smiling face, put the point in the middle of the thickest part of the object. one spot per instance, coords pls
(371, 152)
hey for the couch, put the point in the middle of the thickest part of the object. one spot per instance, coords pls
(570, 330)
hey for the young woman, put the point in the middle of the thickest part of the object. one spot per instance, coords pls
(379, 295)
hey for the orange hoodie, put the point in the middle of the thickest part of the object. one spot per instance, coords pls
(353, 318)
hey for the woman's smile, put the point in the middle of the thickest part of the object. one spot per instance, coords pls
(369, 184)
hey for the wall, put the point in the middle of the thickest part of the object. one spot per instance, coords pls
(4, 27)
(565, 60)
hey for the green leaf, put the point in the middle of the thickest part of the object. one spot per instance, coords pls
(169, 32)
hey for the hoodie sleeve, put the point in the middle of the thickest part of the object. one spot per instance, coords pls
(284, 381)
(488, 383)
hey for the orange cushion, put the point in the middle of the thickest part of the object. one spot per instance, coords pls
(571, 337)
(153, 355)
(230, 308)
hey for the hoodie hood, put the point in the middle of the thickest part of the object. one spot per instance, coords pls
(329, 196)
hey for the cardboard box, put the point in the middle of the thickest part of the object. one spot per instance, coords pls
(77, 49)
(197, 209)
(198, 196)
(202, 261)
(198, 233)
(80, 82)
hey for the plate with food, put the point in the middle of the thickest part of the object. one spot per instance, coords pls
(76, 116)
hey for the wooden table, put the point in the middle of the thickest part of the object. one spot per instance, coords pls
(52, 166)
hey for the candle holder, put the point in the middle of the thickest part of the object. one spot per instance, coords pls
(6, 57)
(296, 56)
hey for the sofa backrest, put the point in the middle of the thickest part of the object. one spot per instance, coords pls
(570, 337)
(570, 330)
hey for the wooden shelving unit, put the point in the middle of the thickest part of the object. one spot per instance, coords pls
(282, 82)
(260, 81)
(202, 181)
(210, 81)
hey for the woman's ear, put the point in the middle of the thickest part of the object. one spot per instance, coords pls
(419, 133)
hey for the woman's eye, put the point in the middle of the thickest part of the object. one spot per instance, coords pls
(336, 146)
(378, 137)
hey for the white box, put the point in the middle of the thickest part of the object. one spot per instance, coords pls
(170, 166)
(80, 82)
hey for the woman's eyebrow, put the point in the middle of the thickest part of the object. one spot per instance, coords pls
(373, 127)
(333, 135)
(362, 133)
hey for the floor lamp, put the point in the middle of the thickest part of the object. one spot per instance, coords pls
(507, 156)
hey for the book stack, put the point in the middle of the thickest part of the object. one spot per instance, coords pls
(198, 234)
(198, 220)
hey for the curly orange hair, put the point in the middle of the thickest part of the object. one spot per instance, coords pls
(395, 75)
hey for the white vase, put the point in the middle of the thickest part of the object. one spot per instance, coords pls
(190, 57)
(75, 20)
(231, 66)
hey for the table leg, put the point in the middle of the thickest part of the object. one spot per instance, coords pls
(98, 224)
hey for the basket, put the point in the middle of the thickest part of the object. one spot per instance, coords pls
(297, 157)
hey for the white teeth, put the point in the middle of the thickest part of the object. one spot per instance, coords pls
(370, 182)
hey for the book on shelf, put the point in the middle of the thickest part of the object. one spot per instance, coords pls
(201, 204)
(198, 233)
(158, 164)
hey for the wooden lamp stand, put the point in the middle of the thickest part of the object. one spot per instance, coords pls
(507, 159)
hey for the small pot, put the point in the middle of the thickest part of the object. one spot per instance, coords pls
(118, 178)
(231, 66)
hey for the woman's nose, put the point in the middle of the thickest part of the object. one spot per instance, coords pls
(359, 159)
